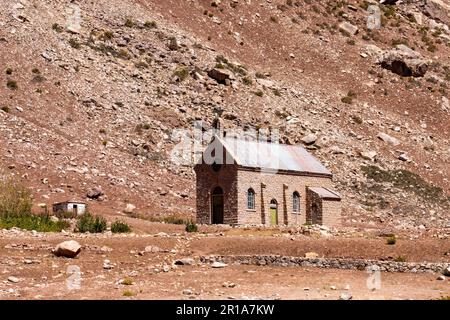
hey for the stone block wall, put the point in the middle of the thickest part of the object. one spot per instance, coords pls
(274, 186)
(207, 181)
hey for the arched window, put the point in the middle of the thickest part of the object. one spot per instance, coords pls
(296, 202)
(250, 199)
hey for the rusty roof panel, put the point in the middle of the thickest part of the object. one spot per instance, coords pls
(324, 193)
(273, 156)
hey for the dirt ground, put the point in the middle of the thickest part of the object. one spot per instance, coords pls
(41, 275)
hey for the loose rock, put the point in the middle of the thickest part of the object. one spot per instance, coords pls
(68, 249)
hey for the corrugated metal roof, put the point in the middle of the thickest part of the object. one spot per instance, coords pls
(324, 193)
(273, 156)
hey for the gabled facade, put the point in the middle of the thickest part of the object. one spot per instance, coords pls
(253, 182)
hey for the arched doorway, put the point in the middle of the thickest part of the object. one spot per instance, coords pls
(273, 207)
(217, 206)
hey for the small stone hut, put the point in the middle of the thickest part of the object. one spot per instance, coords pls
(75, 207)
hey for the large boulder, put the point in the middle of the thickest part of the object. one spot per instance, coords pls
(184, 262)
(129, 208)
(221, 75)
(387, 138)
(437, 10)
(404, 62)
(68, 249)
(94, 193)
(348, 28)
(446, 271)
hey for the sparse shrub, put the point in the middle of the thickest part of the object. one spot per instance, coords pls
(276, 92)
(38, 79)
(150, 24)
(364, 5)
(274, 19)
(123, 54)
(258, 93)
(407, 180)
(15, 199)
(349, 97)
(74, 43)
(40, 223)
(432, 48)
(357, 119)
(11, 84)
(351, 42)
(127, 282)
(5, 109)
(57, 28)
(65, 215)
(15, 210)
(247, 81)
(191, 227)
(142, 126)
(120, 227)
(129, 23)
(107, 35)
(173, 219)
(36, 71)
(260, 75)
(182, 73)
(347, 100)
(9, 71)
(396, 42)
(89, 223)
(128, 293)
(141, 65)
(400, 259)
(221, 59)
(388, 10)
(391, 240)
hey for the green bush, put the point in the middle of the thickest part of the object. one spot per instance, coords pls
(15, 200)
(74, 43)
(391, 240)
(127, 282)
(41, 223)
(129, 23)
(191, 227)
(400, 259)
(65, 215)
(259, 93)
(90, 223)
(128, 293)
(182, 73)
(150, 24)
(15, 210)
(57, 28)
(11, 84)
(120, 227)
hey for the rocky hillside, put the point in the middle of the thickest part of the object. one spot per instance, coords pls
(92, 92)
